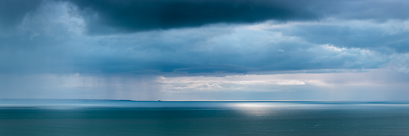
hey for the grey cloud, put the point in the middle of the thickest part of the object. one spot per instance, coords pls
(379, 10)
(386, 37)
(106, 16)
(12, 12)
(202, 50)
(111, 16)
(125, 16)
(52, 42)
(50, 56)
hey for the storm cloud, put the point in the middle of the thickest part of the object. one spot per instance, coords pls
(176, 49)
(12, 12)
(140, 15)
(112, 16)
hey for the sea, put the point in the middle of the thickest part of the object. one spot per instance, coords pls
(201, 118)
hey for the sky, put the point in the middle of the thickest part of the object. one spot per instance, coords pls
(350, 50)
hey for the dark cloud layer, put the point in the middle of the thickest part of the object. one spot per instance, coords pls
(12, 12)
(124, 16)
(141, 15)
(379, 10)
(112, 16)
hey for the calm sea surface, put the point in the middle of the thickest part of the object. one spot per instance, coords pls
(109, 118)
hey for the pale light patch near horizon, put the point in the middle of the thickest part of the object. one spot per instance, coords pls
(235, 82)
(280, 82)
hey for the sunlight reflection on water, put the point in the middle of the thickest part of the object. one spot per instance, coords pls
(253, 109)
(90, 117)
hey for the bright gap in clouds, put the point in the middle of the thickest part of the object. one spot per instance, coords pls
(382, 84)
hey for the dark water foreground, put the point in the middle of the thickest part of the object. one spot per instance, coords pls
(100, 118)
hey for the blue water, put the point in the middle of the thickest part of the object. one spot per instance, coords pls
(100, 118)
